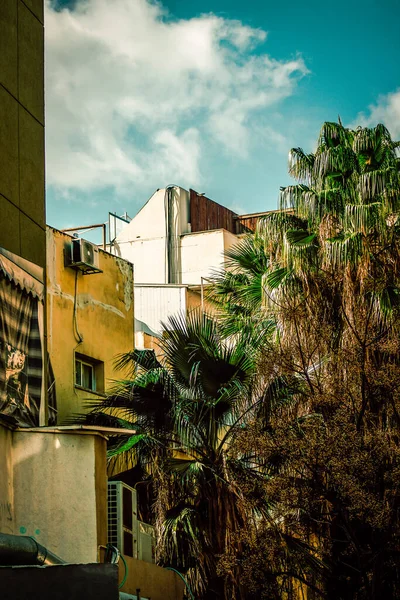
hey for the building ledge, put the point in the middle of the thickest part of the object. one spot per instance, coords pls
(80, 429)
(219, 229)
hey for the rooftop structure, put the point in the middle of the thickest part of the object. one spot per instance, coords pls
(176, 242)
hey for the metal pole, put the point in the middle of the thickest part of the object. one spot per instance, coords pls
(84, 227)
(104, 236)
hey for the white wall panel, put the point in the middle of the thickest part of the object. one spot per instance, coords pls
(155, 304)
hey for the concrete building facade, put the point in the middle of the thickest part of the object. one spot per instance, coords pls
(54, 487)
(22, 193)
(177, 243)
(22, 208)
(172, 261)
(164, 245)
(90, 320)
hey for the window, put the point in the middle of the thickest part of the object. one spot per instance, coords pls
(89, 373)
(84, 375)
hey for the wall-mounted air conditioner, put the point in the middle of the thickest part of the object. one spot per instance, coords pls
(122, 518)
(125, 531)
(84, 256)
(146, 542)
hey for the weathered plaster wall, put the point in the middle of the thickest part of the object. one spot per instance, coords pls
(22, 204)
(143, 241)
(104, 319)
(55, 491)
(53, 487)
(6, 482)
(154, 582)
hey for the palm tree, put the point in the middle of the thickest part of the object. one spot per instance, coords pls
(236, 291)
(333, 288)
(336, 256)
(187, 410)
(288, 433)
(345, 217)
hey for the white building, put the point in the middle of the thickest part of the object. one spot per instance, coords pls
(176, 242)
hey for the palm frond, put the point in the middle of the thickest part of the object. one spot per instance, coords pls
(301, 165)
(361, 218)
(343, 250)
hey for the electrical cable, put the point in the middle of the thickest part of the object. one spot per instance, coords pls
(112, 556)
(184, 581)
(78, 336)
(125, 577)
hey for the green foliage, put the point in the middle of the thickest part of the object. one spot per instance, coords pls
(187, 409)
(271, 432)
(236, 292)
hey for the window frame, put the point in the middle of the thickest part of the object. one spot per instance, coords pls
(97, 374)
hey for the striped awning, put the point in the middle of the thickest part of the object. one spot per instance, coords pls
(21, 338)
(24, 274)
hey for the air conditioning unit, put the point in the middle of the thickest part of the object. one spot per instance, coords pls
(146, 542)
(122, 518)
(84, 256)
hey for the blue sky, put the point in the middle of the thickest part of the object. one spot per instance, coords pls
(208, 94)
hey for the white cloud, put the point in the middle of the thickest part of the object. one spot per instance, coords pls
(178, 154)
(133, 95)
(386, 111)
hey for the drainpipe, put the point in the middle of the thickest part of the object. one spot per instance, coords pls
(24, 550)
(169, 219)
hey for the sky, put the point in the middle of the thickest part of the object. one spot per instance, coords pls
(208, 94)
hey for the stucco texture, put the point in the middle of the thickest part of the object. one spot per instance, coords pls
(104, 320)
(6, 482)
(53, 488)
(153, 582)
(22, 198)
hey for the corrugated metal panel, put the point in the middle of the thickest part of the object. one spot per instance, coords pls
(207, 215)
(154, 304)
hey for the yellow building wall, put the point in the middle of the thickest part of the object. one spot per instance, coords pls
(53, 486)
(104, 319)
(153, 582)
(22, 198)
(194, 302)
(59, 494)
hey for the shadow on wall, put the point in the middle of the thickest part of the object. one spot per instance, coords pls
(50, 488)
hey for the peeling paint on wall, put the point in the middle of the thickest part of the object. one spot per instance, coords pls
(6, 516)
(85, 300)
(126, 269)
(100, 305)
